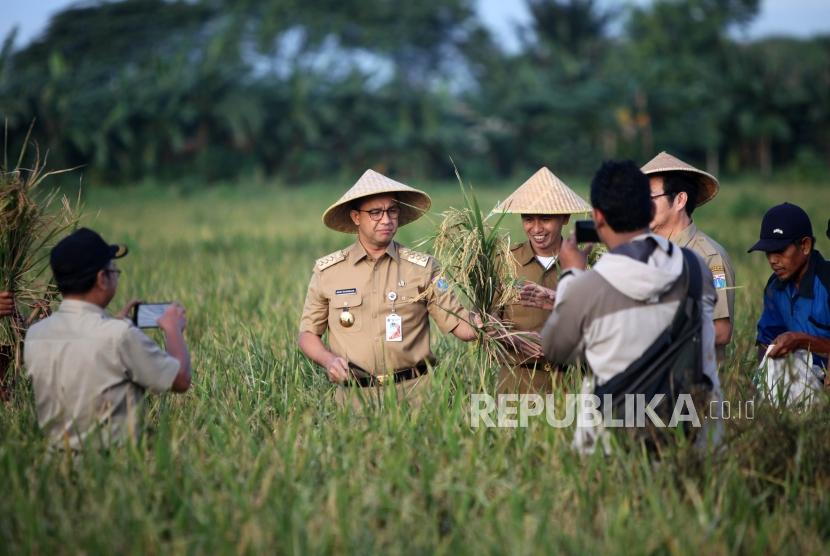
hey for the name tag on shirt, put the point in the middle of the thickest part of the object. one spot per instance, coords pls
(394, 328)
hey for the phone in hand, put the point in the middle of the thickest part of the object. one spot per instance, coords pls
(586, 231)
(146, 315)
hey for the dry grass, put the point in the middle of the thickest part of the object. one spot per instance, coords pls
(33, 219)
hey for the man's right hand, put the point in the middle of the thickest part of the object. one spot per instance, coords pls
(6, 304)
(571, 256)
(337, 370)
(173, 320)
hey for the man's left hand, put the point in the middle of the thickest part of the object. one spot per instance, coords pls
(125, 312)
(535, 295)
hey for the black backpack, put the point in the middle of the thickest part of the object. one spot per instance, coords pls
(672, 365)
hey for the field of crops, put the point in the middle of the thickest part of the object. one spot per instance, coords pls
(257, 457)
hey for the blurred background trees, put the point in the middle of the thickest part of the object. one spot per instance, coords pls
(219, 89)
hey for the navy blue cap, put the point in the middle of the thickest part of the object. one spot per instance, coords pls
(82, 254)
(782, 225)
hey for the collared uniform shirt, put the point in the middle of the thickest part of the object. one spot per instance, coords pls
(723, 274)
(89, 371)
(805, 308)
(717, 260)
(528, 268)
(401, 281)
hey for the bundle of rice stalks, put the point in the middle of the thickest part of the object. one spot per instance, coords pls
(474, 254)
(29, 225)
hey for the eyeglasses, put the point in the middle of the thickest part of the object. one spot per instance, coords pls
(660, 195)
(115, 271)
(376, 214)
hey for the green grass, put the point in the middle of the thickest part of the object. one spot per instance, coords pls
(257, 458)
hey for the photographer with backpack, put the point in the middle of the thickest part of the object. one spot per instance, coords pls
(641, 317)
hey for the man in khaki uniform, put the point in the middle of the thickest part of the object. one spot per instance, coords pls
(375, 296)
(677, 189)
(545, 204)
(89, 369)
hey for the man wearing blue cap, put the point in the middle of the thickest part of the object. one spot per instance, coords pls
(90, 369)
(797, 296)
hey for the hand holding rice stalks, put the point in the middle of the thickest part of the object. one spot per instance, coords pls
(475, 258)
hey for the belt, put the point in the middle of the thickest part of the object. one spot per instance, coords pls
(362, 378)
(539, 365)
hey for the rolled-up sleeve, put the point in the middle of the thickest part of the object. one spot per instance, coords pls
(721, 280)
(316, 308)
(443, 306)
(145, 362)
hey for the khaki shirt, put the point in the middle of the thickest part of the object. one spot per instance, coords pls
(528, 268)
(89, 371)
(723, 274)
(718, 262)
(350, 279)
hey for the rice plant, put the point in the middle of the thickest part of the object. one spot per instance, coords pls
(31, 224)
(474, 252)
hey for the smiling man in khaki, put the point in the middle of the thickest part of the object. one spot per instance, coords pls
(545, 204)
(375, 297)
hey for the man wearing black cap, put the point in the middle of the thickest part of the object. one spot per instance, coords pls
(90, 369)
(796, 299)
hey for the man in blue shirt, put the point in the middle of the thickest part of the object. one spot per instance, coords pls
(796, 299)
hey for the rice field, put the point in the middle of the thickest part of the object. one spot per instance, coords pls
(256, 457)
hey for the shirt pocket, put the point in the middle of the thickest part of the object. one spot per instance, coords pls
(339, 304)
(407, 303)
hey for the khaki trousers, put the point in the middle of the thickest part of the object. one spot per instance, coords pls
(541, 379)
(412, 391)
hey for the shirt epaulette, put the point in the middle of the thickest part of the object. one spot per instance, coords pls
(330, 259)
(705, 245)
(420, 259)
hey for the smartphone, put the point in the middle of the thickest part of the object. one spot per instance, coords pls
(586, 232)
(146, 315)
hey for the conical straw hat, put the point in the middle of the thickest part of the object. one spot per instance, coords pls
(413, 203)
(543, 193)
(664, 162)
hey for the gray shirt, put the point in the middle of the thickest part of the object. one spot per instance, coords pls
(89, 371)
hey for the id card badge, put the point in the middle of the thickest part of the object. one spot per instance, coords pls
(394, 330)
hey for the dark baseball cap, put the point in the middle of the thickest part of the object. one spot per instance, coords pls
(82, 254)
(782, 225)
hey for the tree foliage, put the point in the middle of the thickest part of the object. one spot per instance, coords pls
(214, 89)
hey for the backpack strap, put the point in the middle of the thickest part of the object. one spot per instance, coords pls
(690, 302)
(692, 266)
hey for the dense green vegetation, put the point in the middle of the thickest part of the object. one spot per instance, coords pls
(215, 89)
(257, 458)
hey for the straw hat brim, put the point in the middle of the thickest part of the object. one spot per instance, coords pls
(664, 163)
(707, 185)
(544, 193)
(413, 204)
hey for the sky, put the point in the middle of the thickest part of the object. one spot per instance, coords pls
(800, 18)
